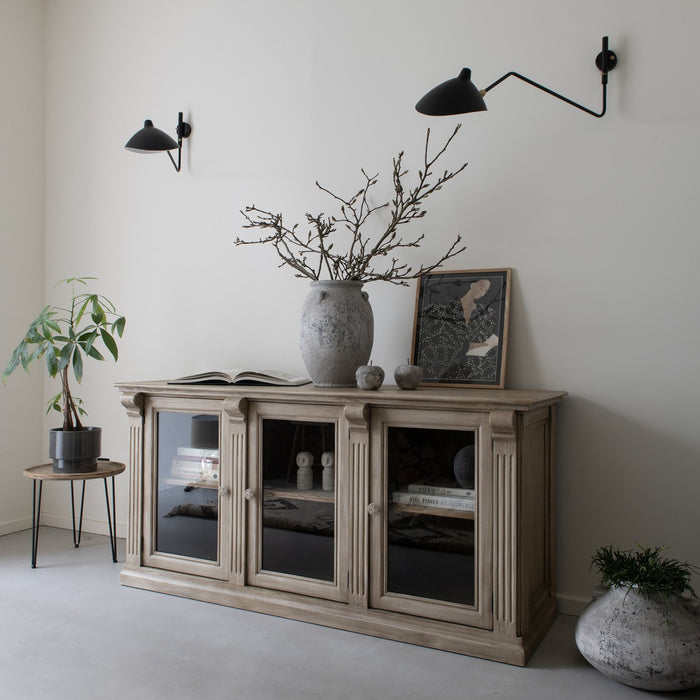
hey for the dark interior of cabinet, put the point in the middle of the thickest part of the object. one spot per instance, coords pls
(298, 528)
(192, 530)
(430, 548)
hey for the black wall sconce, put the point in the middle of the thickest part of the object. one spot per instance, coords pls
(460, 96)
(152, 140)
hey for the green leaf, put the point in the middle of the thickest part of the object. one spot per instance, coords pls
(106, 303)
(39, 351)
(46, 329)
(54, 403)
(118, 326)
(64, 358)
(81, 311)
(51, 361)
(95, 353)
(110, 343)
(24, 358)
(11, 365)
(33, 336)
(46, 313)
(70, 280)
(98, 314)
(53, 325)
(78, 365)
(86, 340)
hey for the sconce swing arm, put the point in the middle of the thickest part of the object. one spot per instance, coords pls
(460, 96)
(606, 60)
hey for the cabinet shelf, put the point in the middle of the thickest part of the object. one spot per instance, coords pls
(191, 484)
(203, 485)
(281, 489)
(439, 512)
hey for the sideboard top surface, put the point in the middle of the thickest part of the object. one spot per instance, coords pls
(425, 397)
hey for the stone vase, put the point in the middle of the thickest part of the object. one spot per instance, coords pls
(336, 332)
(648, 643)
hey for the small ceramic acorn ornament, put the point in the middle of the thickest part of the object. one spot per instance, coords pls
(369, 376)
(408, 376)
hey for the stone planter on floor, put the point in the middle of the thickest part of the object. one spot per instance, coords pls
(652, 643)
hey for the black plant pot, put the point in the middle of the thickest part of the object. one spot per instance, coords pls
(75, 451)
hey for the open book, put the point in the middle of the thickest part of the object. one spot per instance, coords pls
(244, 376)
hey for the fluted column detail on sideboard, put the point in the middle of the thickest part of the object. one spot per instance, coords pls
(505, 522)
(133, 402)
(236, 411)
(357, 417)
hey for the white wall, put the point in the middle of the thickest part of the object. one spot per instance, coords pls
(597, 218)
(22, 244)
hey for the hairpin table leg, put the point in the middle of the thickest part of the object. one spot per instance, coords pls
(36, 515)
(112, 518)
(76, 540)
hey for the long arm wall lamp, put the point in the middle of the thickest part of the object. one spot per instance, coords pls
(152, 140)
(460, 96)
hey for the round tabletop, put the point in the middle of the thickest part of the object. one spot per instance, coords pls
(45, 471)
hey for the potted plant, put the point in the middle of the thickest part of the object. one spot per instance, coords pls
(66, 337)
(339, 257)
(644, 631)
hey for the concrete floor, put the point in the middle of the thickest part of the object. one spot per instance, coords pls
(69, 630)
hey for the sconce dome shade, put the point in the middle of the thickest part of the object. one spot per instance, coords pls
(150, 140)
(455, 96)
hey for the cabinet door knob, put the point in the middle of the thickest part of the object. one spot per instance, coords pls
(249, 494)
(372, 508)
(224, 491)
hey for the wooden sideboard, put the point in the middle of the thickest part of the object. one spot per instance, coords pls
(386, 542)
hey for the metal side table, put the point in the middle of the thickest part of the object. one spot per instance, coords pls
(44, 472)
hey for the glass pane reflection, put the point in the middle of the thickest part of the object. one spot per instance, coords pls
(188, 482)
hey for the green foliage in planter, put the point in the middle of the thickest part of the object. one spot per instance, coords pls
(66, 337)
(644, 569)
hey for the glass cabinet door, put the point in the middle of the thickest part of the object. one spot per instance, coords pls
(431, 545)
(185, 525)
(295, 472)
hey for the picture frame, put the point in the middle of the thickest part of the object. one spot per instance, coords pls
(460, 327)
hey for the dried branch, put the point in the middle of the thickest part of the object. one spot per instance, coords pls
(358, 261)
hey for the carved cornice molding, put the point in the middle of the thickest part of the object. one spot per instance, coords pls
(357, 416)
(133, 402)
(503, 425)
(236, 408)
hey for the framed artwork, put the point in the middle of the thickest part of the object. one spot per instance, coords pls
(460, 330)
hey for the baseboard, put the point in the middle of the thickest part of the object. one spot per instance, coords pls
(572, 605)
(97, 527)
(10, 526)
